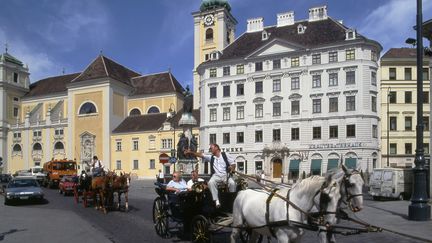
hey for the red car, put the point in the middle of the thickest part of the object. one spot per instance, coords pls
(67, 184)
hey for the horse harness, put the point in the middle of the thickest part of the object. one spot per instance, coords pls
(323, 204)
(347, 185)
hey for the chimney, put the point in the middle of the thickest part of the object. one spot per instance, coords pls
(318, 13)
(254, 25)
(284, 19)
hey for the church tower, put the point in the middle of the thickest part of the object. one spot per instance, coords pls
(14, 84)
(214, 29)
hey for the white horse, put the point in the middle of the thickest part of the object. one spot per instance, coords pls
(250, 208)
(351, 189)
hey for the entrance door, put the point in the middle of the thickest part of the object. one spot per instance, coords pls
(277, 168)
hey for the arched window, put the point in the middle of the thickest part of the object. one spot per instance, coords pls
(135, 112)
(16, 148)
(87, 108)
(209, 34)
(37, 146)
(153, 109)
(58, 146)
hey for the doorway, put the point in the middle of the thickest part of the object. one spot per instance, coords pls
(277, 168)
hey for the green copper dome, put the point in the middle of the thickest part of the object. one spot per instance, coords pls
(211, 4)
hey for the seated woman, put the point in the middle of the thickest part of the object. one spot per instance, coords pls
(177, 184)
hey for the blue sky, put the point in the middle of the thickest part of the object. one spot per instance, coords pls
(151, 36)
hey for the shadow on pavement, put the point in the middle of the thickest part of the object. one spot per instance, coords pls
(2, 235)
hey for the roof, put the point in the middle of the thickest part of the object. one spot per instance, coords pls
(51, 85)
(9, 58)
(317, 33)
(212, 4)
(103, 67)
(156, 83)
(150, 122)
(400, 53)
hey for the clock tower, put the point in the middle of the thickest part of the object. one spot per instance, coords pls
(214, 29)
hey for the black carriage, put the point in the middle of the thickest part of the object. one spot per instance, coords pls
(192, 213)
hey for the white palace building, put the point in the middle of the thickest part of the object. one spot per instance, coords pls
(290, 100)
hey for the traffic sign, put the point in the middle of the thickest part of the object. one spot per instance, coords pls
(163, 158)
(172, 160)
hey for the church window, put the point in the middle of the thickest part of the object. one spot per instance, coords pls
(87, 108)
(209, 34)
(15, 111)
(37, 147)
(135, 112)
(152, 110)
(15, 77)
(16, 148)
(58, 146)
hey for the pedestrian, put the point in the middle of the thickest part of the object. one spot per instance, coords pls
(221, 165)
(160, 177)
(282, 177)
(263, 177)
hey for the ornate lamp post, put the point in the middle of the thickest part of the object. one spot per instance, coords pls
(419, 209)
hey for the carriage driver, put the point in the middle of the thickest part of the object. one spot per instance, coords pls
(221, 164)
(97, 167)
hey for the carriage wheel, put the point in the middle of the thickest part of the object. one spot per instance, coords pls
(160, 218)
(85, 199)
(76, 195)
(200, 230)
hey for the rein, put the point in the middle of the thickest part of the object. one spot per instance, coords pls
(273, 193)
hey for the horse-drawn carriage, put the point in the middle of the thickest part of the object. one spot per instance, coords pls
(193, 212)
(282, 211)
(100, 190)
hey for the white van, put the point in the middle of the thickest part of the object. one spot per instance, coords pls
(391, 183)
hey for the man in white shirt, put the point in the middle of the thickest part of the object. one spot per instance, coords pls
(221, 164)
(97, 166)
(194, 179)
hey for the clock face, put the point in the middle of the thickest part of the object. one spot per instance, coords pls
(208, 20)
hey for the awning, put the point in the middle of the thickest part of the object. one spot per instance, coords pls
(332, 163)
(294, 165)
(351, 163)
(316, 165)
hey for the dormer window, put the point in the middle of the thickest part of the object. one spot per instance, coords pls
(350, 34)
(214, 55)
(301, 29)
(265, 35)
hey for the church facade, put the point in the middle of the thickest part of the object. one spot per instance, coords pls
(108, 110)
(289, 100)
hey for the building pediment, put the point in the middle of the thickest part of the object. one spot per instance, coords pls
(276, 46)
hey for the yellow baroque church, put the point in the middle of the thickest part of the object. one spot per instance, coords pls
(127, 119)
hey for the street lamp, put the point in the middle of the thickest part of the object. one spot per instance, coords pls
(171, 114)
(419, 209)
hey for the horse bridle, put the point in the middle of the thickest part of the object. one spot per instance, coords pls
(347, 185)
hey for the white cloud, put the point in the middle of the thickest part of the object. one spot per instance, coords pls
(41, 65)
(392, 23)
(75, 21)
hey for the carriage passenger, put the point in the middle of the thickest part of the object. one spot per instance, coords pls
(194, 179)
(221, 164)
(177, 184)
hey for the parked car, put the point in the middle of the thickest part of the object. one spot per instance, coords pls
(38, 173)
(5, 178)
(22, 173)
(67, 184)
(23, 188)
(393, 183)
